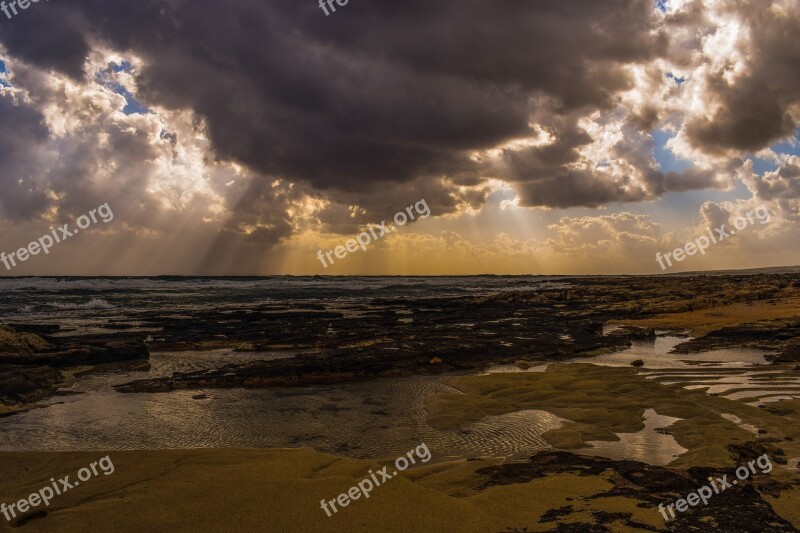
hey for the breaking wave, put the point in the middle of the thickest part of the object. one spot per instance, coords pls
(94, 303)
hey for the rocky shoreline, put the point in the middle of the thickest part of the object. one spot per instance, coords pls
(432, 336)
(780, 339)
(332, 343)
(34, 363)
(359, 363)
(651, 485)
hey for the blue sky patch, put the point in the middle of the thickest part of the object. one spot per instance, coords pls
(667, 162)
(677, 79)
(763, 165)
(104, 78)
(132, 106)
(3, 70)
(789, 146)
(122, 67)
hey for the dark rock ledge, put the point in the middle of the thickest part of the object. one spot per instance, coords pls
(356, 363)
(32, 365)
(778, 337)
(740, 508)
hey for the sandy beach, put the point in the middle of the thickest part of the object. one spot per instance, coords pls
(280, 490)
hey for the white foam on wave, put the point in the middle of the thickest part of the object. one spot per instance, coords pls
(94, 303)
(99, 284)
(348, 284)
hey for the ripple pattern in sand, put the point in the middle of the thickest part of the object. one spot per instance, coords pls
(749, 383)
(370, 420)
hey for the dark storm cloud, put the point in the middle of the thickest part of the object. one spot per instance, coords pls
(579, 188)
(377, 92)
(51, 35)
(593, 188)
(756, 106)
(783, 183)
(22, 133)
(262, 205)
(382, 204)
(556, 175)
(547, 175)
(542, 162)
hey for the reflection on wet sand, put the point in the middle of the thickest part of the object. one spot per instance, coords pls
(648, 445)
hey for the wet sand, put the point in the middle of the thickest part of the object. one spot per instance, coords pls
(280, 490)
(602, 402)
(707, 319)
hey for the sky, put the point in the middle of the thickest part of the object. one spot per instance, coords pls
(544, 136)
